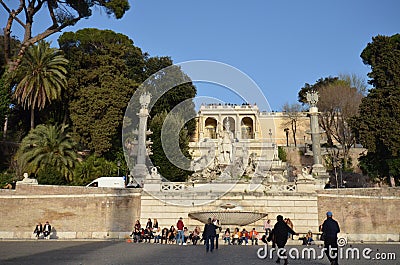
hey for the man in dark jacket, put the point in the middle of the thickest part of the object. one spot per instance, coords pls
(47, 230)
(209, 235)
(330, 229)
(38, 230)
(280, 237)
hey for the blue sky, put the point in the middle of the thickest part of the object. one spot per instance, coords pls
(280, 44)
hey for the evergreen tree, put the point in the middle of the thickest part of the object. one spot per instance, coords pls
(171, 165)
(100, 85)
(377, 125)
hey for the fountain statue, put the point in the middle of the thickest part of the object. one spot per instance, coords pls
(226, 145)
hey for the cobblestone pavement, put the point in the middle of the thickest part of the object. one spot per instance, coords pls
(56, 252)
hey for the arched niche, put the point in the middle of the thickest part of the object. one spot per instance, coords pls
(247, 128)
(210, 128)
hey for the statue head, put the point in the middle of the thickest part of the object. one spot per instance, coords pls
(227, 125)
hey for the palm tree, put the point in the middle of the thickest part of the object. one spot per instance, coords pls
(48, 146)
(40, 77)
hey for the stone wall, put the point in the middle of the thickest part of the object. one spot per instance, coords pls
(102, 213)
(301, 208)
(73, 212)
(363, 214)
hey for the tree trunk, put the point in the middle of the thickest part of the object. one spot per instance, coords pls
(32, 118)
(5, 128)
(294, 130)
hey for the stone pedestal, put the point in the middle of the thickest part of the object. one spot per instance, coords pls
(320, 174)
(154, 177)
(307, 186)
(140, 173)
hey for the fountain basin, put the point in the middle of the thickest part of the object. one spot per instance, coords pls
(240, 218)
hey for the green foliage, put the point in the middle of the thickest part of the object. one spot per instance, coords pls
(377, 130)
(84, 8)
(169, 76)
(322, 82)
(48, 175)
(282, 155)
(166, 168)
(5, 100)
(6, 178)
(339, 99)
(117, 7)
(379, 120)
(14, 46)
(93, 167)
(62, 14)
(104, 67)
(40, 78)
(348, 166)
(47, 146)
(383, 55)
(377, 126)
(175, 95)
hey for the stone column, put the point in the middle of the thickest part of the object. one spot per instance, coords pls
(315, 135)
(318, 169)
(140, 171)
(201, 126)
(238, 127)
(220, 127)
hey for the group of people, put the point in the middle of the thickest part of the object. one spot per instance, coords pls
(42, 229)
(278, 235)
(238, 237)
(178, 234)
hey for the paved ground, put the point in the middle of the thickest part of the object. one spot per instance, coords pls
(118, 252)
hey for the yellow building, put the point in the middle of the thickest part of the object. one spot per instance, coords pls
(258, 130)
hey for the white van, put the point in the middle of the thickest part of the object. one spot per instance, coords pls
(108, 182)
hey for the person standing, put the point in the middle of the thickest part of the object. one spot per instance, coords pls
(38, 230)
(290, 224)
(280, 236)
(209, 235)
(330, 229)
(180, 236)
(47, 230)
(217, 231)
